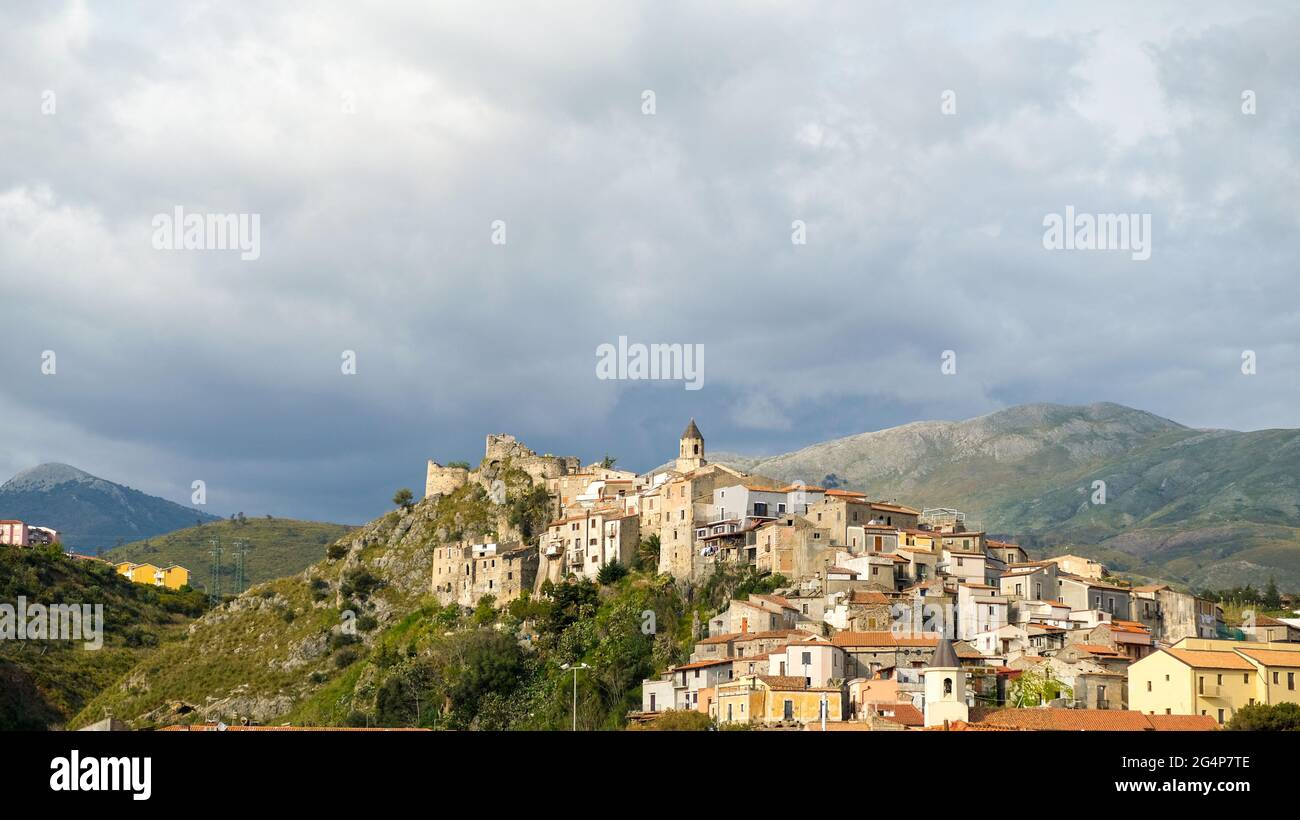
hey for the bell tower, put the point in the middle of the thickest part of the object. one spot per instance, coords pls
(690, 449)
(945, 687)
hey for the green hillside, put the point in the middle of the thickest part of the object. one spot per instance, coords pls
(278, 653)
(1202, 508)
(45, 682)
(277, 547)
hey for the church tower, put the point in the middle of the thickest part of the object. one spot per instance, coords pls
(945, 687)
(690, 450)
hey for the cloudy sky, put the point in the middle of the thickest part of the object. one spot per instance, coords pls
(379, 147)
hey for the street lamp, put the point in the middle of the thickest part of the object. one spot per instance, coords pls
(575, 689)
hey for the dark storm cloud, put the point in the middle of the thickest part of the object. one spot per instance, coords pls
(924, 230)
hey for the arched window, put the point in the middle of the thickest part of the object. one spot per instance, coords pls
(947, 686)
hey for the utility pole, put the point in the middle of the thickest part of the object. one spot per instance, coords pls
(241, 578)
(575, 690)
(214, 589)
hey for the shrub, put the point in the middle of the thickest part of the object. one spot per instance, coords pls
(1258, 717)
(336, 551)
(360, 582)
(680, 720)
(611, 573)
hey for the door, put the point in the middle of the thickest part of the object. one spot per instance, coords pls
(789, 710)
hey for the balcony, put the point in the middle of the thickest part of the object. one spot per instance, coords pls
(553, 550)
(1210, 690)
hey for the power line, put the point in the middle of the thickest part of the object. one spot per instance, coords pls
(214, 591)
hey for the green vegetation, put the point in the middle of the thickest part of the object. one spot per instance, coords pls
(1259, 717)
(404, 498)
(1199, 508)
(44, 683)
(277, 547)
(1035, 689)
(358, 640)
(677, 721)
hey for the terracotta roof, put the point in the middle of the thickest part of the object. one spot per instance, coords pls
(748, 636)
(904, 713)
(846, 494)
(899, 508)
(1105, 720)
(868, 596)
(701, 664)
(1210, 659)
(783, 683)
(212, 727)
(1273, 657)
(1095, 649)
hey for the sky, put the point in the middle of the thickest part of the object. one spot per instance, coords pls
(651, 168)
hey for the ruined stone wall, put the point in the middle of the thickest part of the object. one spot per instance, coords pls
(440, 480)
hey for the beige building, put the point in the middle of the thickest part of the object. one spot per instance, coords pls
(585, 540)
(1199, 676)
(1078, 565)
(465, 573)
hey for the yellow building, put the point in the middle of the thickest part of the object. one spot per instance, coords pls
(776, 699)
(172, 577)
(1203, 676)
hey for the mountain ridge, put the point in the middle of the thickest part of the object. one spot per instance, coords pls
(89, 511)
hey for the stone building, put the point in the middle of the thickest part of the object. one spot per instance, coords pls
(464, 573)
(585, 540)
(690, 449)
(501, 450)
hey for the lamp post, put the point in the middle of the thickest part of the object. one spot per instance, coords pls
(575, 689)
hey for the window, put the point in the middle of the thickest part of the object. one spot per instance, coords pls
(947, 686)
(1245, 678)
(1148, 686)
(1290, 680)
(1220, 717)
(807, 658)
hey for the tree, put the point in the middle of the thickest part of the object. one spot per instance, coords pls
(1258, 717)
(404, 498)
(608, 462)
(485, 614)
(648, 552)
(1272, 598)
(1036, 689)
(611, 573)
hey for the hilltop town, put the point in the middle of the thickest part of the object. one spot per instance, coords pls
(880, 615)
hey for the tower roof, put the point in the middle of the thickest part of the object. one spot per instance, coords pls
(692, 431)
(945, 657)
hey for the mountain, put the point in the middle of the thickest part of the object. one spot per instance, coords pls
(44, 682)
(1198, 507)
(88, 511)
(276, 547)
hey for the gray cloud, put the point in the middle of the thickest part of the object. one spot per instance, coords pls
(924, 231)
